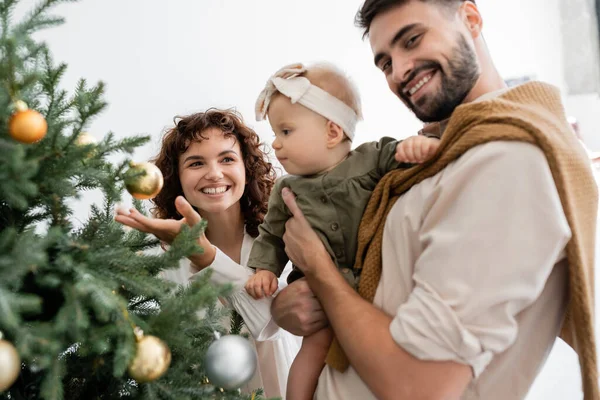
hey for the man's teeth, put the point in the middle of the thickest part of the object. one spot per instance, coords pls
(218, 190)
(420, 84)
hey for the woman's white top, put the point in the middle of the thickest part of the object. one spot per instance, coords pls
(275, 347)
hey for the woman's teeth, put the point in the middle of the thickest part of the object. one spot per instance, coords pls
(217, 190)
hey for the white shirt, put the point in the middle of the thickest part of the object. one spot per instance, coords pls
(474, 271)
(276, 348)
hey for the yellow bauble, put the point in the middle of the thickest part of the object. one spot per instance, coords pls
(84, 138)
(20, 105)
(10, 365)
(143, 180)
(152, 359)
(27, 126)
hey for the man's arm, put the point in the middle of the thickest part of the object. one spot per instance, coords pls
(297, 310)
(363, 330)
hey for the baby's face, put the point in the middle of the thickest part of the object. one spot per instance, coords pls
(300, 137)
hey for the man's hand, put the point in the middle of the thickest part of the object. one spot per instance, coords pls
(416, 149)
(297, 310)
(302, 245)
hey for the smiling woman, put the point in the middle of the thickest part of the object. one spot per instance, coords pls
(208, 150)
(212, 175)
(214, 168)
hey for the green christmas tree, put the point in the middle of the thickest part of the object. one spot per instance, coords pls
(72, 298)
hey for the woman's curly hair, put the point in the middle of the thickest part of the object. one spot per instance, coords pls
(260, 174)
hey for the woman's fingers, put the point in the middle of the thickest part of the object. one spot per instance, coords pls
(130, 222)
(187, 211)
(139, 217)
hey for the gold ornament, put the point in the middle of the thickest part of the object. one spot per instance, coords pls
(84, 138)
(25, 125)
(20, 105)
(152, 358)
(144, 186)
(10, 364)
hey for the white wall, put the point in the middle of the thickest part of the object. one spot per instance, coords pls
(163, 58)
(524, 38)
(160, 59)
(586, 109)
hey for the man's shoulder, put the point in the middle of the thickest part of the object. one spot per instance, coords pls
(503, 159)
(506, 149)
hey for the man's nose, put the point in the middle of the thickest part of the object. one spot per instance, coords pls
(401, 70)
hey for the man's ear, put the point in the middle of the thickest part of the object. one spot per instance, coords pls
(471, 18)
(335, 134)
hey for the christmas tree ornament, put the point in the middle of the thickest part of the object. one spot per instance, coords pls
(25, 125)
(10, 364)
(143, 180)
(230, 361)
(84, 138)
(152, 358)
(20, 105)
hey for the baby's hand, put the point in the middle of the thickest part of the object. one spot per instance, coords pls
(416, 149)
(263, 284)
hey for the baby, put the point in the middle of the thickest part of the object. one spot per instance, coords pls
(313, 113)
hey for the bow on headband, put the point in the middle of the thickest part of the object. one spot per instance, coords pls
(289, 82)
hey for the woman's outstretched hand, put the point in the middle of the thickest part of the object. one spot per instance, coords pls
(167, 229)
(164, 229)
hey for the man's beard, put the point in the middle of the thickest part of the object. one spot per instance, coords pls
(456, 85)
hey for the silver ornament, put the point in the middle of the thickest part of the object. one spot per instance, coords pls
(230, 362)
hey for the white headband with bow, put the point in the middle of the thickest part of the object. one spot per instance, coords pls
(299, 89)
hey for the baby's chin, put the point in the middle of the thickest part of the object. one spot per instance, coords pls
(301, 171)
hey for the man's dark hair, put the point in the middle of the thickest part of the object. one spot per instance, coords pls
(372, 8)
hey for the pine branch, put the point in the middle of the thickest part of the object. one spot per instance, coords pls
(236, 323)
(16, 174)
(49, 83)
(6, 7)
(126, 145)
(37, 19)
(20, 254)
(69, 299)
(124, 353)
(52, 388)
